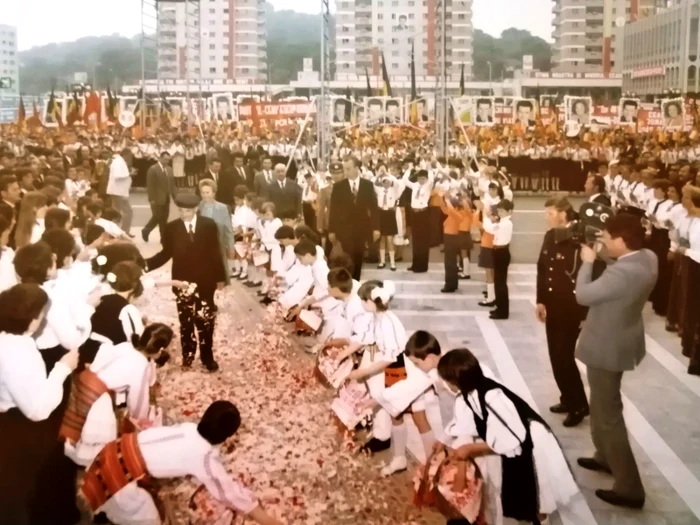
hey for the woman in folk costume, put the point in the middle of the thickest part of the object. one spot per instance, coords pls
(218, 211)
(28, 398)
(90, 422)
(536, 479)
(691, 251)
(383, 366)
(658, 214)
(112, 483)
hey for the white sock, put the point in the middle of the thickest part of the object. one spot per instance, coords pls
(466, 269)
(399, 439)
(490, 292)
(251, 273)
(428, 440)
(244, 266)
(236, 265)
(392, 257)
(382, 256)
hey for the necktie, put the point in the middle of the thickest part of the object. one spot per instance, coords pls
(191, 232)
(386, 198)
(354, 188)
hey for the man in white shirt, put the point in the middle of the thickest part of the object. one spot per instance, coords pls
(420, 218)
(119, 186)
(503, 233)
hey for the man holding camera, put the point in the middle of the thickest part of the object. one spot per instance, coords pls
(611, 343)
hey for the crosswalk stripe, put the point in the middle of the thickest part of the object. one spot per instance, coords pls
(577, 512)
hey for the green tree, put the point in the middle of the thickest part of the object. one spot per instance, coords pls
(506, 53)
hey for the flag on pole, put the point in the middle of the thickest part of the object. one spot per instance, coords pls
(414, 92)
(73, 114)
(35, 120)
(386, 85)
(112, 106)
(21, 112)
(369, 85)
(53, 111)
(93, 110)
(461, 82)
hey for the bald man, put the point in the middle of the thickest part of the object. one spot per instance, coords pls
(285, 193)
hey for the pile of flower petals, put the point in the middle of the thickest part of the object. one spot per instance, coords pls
(288, 451)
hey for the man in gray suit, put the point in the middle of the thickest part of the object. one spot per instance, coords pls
(285, 193)
(264, 177)
(611, 343)
(159, 184)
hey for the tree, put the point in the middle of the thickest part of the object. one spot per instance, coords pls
(506, 53)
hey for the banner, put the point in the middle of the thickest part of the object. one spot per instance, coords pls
(275, 110)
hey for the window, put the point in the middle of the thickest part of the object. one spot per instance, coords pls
(346, 29)
(212, 22)
(225, 10)
(395, 66)
(212, 46)
(226, 58)
(410, 16)
(345, 40)
(244, 70)
(346, 66)
(226, 70)
(394, 53)
(380, 29)
(393, 16)
(212, 11)
(380, 41)
(394, 40)
(212, 57)
(212, 70)
(380, 16)
(226, 34)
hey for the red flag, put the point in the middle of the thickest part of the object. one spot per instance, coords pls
(74, 112)
(21, 112)
(254, 117)
(93, 110)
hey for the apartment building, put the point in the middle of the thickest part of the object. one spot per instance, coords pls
(585, 32)
(9, 61)
(366, 29)
(212, 40)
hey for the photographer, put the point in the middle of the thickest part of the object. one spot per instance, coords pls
(612, 342)
(557, 269)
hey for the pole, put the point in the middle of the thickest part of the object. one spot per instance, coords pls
(490, 71)
(143, 72)
(301, 132)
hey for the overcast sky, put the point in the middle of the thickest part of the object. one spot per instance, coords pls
(41, 22)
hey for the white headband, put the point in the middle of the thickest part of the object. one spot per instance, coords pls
(384, 292)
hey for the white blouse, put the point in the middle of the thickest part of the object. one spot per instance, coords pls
(389, 336)
(67, 320)
(23, 380)
(8, 276)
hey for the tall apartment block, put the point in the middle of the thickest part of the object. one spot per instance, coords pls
(366, 29)
(212, 40)
(9, 62)
(585, 32)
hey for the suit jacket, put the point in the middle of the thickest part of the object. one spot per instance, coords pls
(353, 219)
(602, 198)
(260, 183)
(197, 261)
(323, 213)
(159, 183)
(612, 337)
(247, 178)
(284, 200)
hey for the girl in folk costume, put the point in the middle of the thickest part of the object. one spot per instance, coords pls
(690, 250)
(30, 221)
(282, 259)
(535, 476)
(488, 210)
(244, 220)
(8, 277)
(388, 189)
(28, 398)
(268, 227)
(382, 366)
(256, 251)
(111, 483)
(90, 422)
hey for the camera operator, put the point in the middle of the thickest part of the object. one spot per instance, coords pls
(557, 269)
(611, 343)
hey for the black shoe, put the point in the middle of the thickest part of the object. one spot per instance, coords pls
(260, 293)
(464, 277)
(266, 301)
(498, 316)
(187, 363)
(489, 304)
(410, 269)
(381, 266)
(559, 408)
(144, 235)
(613, 498)
(100, 519)
(251, 284)
(575, 418)
(448, 290)
(375, 445)
(393, 268)
(592, 464)
(213, 366)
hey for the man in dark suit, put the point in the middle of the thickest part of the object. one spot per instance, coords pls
(226, 182)
(354, 214)
(192, 242)
(159, 184)
(612, 342)
(283, 192)
(244, 174)
(595, 189)
(263, 178)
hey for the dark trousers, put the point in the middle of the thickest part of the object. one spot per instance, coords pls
(452, 258)
(609, 432)
(309, 215)
(562, 334)
(197, 315)
(159, 217)
(501, 261)
(420, 231)
(357, 254)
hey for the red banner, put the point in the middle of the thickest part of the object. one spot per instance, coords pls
(275, 110)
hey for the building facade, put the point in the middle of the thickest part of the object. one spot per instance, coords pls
(585, 39)
(663, 51)
(9, 60)
(367, 29)
(213, 40)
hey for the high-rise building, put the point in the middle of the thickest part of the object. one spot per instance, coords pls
(212, 40)
(9, 62)
(585, 35)
(367, 29)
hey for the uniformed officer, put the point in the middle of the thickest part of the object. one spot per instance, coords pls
(557, 268)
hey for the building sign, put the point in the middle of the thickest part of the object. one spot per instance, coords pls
(8, 108)
(658, 71)
(556, 75)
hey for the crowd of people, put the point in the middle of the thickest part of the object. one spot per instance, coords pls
(79, 364)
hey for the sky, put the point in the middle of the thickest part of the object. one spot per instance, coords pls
(37, 25)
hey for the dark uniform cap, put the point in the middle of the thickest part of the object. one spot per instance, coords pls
(336, 166)
(187, 201)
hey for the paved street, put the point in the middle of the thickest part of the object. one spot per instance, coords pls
(660, 398)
